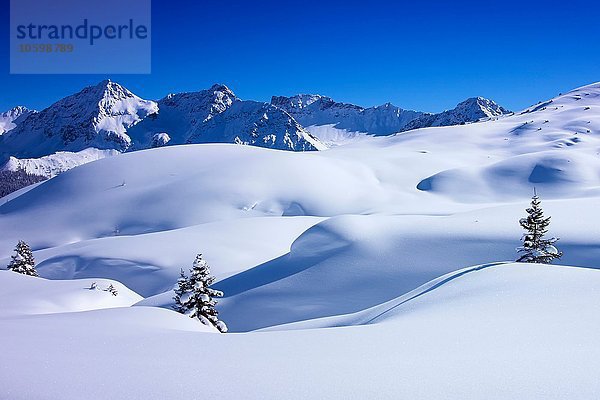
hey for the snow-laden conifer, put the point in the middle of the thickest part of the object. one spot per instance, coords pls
(22, 261)
(536, 248)
(195, 298)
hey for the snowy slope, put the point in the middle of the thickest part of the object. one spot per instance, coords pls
(54, 164)
(513, 331)
(27, 295)
(374, 237)
(98, 116)
(11, 118)
(470, 110)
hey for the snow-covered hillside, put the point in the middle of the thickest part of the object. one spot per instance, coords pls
(11, 118)
(418, 174)
(98, 116)
(517, 331)
(402, 244)
(54, 164)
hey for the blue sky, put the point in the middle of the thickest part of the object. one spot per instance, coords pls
(419, 55)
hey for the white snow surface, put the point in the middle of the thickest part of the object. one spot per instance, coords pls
(54, 164)
(9, 119)
(27, 295)
(371, 270)
(501, 332)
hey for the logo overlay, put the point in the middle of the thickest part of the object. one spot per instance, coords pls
(80, 37)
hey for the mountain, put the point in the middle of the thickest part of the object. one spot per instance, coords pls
(317, 110)
(180, 115)
(98, 116)
(470, 110)
(108, 116)
(217, 115)
(11, 118)
(258, 124)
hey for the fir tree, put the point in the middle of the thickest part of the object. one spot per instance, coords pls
(195, 298)
(536, 248)
(23, 261)
(182, 291)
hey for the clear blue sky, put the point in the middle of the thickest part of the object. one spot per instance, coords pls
(420, 55)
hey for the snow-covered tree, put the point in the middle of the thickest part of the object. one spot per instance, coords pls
(195, 298)
(536, 248)
(23, 261)
(183, 291)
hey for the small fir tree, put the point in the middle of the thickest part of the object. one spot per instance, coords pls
(183, 291)
(195, 298)
(23, 261)
(536, 248)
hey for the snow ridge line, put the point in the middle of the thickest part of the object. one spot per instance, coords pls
(435, 286)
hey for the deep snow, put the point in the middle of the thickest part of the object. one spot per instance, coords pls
(502, 332)
(394, 241)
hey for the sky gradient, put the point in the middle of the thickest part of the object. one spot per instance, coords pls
(423, 56)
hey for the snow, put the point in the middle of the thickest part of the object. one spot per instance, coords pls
(26, 295)
(217, 115)
(507, 330)
(54, 164)
(9, 119)
(337, 123)
(380, 268)
(65, 125)
(470, 110)
(317, 110)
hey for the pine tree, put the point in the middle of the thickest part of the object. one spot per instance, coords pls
(182, 292)
(23, 261)
(536, 248)
(195, 298)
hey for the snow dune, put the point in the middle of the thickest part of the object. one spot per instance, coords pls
(26, 295)
(502, 332)
(398, 243)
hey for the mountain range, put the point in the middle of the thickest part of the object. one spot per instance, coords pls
(108, 116)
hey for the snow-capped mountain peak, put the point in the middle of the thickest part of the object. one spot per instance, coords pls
(480, 107)
(201, 105)
(97, 116)
(217, 115)
(316, 110)
(299, 101)
(470, 110)
(11, 118)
